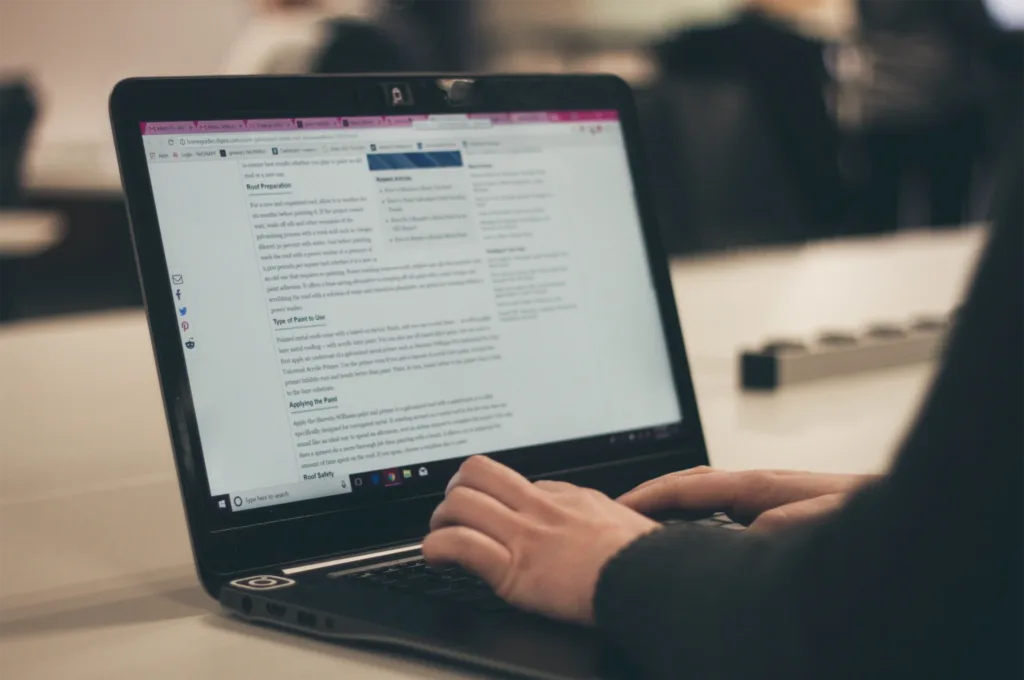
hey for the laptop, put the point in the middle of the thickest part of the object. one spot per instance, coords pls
(353, 284)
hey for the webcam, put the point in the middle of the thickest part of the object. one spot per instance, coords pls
(457, 91)
(398, 94)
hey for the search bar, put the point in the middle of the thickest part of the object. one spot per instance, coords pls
(216, 141)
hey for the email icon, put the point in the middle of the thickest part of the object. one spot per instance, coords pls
(177, 279)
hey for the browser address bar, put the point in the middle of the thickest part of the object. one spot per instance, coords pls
(237, 140)
(215, 141)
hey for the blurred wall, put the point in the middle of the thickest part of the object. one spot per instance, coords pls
(77, 49)
(643, 17)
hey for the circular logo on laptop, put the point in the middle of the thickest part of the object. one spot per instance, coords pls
(263, 582)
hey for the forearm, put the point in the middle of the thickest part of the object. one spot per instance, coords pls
(694, 602)
(866, 593)
(919, 575)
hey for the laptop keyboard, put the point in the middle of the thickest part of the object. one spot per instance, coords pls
(414, 575)
(718, 520)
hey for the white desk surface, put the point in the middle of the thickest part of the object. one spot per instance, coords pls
(24, 233)
(86, 166)
(95, 568)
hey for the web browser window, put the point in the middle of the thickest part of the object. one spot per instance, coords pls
(373, 293)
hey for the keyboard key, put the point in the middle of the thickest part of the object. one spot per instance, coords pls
(448, 582)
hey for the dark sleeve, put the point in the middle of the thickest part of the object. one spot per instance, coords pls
(918, 576)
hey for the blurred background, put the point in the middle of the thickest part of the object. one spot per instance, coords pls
(768, 121)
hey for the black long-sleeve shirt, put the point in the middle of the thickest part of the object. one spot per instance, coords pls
(918, 576)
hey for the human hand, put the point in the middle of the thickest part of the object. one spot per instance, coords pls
(541, 546)
(769, 499)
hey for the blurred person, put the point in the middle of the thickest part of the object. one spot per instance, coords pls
(911, 93)
(285, 36)
(404, 35)
(354, 46)
(914, 574)
(819, 19)
(740, 110)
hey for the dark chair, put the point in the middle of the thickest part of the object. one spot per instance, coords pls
(742, 148)
(408, 35)
(17, 114)
(921, 138)
(360, 47)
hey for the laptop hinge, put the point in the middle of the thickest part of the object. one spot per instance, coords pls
(354, 559)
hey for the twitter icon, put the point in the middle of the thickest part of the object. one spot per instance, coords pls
(182, 310)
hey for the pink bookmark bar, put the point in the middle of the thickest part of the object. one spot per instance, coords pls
(271, 124)
(362, 122)
(582, 116)
(402, 121)
(318, 123)
(168, 128)
(529, 117)
(221, 126)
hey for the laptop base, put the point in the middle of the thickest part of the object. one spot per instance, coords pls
(511, 643)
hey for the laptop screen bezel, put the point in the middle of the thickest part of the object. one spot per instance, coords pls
(308, 529)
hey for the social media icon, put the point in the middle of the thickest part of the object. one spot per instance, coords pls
(263, 582)
(182, 310)
(184, 325)
(177, 293)
(177, 279)
(190, 343)
(423, 472)
(407, 474)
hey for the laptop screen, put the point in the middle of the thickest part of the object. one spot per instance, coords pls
(361, 297)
